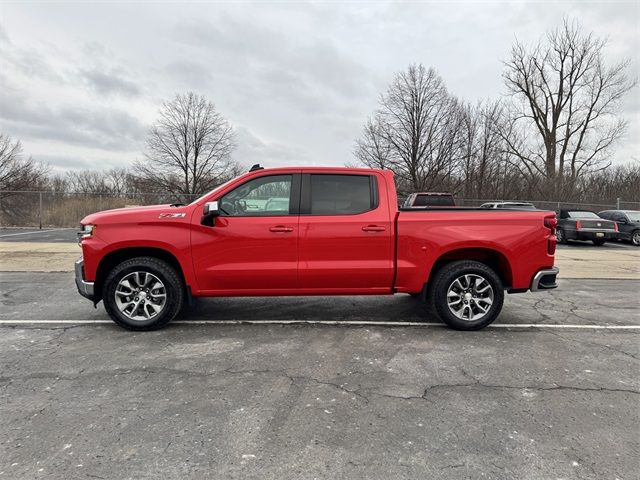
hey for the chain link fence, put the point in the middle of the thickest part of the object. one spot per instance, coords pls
(555, 205)
(56, 209)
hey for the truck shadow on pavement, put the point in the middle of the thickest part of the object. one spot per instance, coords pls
(364, 308)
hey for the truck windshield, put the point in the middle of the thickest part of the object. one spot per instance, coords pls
(434, 201)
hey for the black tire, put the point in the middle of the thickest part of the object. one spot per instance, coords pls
(635, 238)
(173, 287)
(561, 236)
(445, 277)
(599, 242)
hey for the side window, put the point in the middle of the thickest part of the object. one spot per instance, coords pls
(343, 194)
(263, 196)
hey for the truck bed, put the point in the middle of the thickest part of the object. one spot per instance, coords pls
(425, 237)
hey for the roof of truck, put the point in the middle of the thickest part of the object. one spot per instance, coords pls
(307, 168)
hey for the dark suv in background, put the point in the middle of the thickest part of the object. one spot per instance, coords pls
(584, 225)
(628, 222)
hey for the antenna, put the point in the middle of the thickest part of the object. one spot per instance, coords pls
(256, 167)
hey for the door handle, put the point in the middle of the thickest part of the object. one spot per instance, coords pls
(373, 228)
(281, 229)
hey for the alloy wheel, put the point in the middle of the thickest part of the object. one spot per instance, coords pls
(470, 297)
(140, 296)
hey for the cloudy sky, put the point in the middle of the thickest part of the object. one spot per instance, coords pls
(81, 82)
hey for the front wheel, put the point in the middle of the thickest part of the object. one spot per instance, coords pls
(143, 293)
(635, 238)
(467, 295)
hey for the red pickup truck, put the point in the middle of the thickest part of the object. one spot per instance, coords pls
(312, 231)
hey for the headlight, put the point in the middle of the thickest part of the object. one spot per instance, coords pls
(86, 231)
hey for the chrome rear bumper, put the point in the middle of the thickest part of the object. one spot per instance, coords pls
(84, 288)
(545, 279)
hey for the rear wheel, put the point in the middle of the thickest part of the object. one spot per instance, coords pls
(599, 242)
(467, 295)
(143, 293)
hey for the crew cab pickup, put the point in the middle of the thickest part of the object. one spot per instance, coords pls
(312, 231)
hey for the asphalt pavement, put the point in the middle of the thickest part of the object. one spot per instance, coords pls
(53, 296)
(210, 398)
(55, 235)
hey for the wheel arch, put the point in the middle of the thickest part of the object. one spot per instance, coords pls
(115, 257)
(494, 259)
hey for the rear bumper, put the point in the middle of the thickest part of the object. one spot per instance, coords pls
(592, 234)
(84, 288)
(545, 279)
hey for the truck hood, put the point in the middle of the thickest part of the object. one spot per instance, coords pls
(132, 214)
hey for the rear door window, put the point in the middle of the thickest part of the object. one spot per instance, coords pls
(342, 194)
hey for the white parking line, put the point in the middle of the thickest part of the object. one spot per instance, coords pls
(33, 232)
(331, 322)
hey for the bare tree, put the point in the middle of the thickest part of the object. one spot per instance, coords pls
(606, 186)
(87, 181)
(414, 131)
(564, 93)
(17, 172)
(189, 148)
(372, 149)
(119, 180)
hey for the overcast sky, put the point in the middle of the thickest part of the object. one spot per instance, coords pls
(80, 82)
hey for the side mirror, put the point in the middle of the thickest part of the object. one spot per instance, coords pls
(211, 209)
(209, 213)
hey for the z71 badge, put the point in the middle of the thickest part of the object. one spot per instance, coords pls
(172, 215)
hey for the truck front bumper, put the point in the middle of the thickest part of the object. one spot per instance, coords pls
(545, 279)
(84, 288)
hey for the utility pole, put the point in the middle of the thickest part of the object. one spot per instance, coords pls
(40, 212)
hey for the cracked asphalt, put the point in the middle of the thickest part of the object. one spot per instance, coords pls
(272, 401)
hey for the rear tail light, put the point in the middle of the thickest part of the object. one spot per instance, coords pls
(551, 223)
(615, 227)
(551, 245)
(578, 224)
